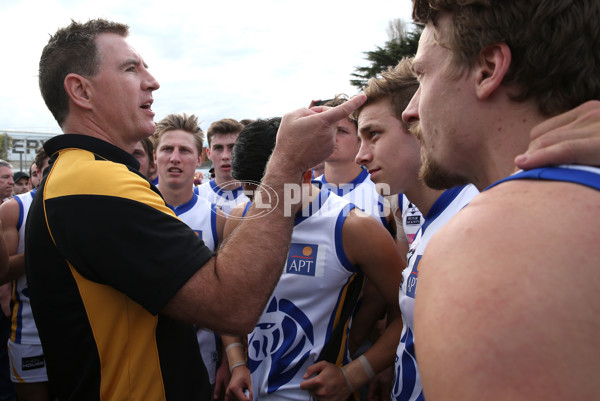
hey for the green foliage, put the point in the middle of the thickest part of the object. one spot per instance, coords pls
(5, 143)
(402, 44)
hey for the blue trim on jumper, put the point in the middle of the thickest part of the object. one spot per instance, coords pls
(339, 244)
(220, 191)
(20, 220)
(246, 208)
(344, 188)
(179, 210)
(440, 205)
(561, 173)
(312, 208)
(213, 224)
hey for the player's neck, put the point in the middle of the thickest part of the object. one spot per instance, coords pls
(423, 197)
(227, 183)
(500, 140)
(176, 196)
(341, 173)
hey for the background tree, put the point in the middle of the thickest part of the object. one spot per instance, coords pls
(402, 43)
(5, 142)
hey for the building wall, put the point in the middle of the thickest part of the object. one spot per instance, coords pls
(19, 147)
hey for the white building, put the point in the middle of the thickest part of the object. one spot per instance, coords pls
(22, 146)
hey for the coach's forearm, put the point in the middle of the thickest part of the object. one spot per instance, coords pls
(229, 293)
(251, 261)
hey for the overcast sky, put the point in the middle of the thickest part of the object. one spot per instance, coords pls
(216, 59)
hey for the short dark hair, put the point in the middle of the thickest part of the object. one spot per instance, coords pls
(223, 127)
(253, 148)
(71, 50)
(148, 146)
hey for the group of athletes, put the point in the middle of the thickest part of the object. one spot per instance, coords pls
(265, 282)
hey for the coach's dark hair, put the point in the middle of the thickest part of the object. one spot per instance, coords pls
(71, 50)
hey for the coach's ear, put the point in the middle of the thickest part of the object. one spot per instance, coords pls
(77, 87)
(493, 64)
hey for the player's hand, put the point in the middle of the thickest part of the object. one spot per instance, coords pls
(569, 138)
(380, 387)
(240, 387)
(222, 378)
(325, 382)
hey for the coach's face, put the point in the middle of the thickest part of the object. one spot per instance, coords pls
(121, 92)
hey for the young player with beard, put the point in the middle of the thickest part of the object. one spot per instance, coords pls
(507, 299)
(392, 156)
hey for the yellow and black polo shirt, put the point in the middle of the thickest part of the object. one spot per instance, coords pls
(104, 255)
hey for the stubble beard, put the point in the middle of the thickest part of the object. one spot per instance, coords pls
(431, 172)
(435, 176)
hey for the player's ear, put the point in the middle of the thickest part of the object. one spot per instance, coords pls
(494, 61)
(307, 177)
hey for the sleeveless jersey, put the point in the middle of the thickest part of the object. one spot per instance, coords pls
(201, 216)
(225, 199)
(23, 329)
(583, 175)
(360, 192)
(307, 304)
(407, 384)
(409, 217)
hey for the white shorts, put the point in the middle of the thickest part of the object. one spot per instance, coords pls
(27, 364)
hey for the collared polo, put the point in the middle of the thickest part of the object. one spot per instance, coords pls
(104, 255)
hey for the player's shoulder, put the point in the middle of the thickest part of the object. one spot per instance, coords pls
(239, 210)
(362, 226)
(202, 189)
(234, 218)
(522, 217)
(9, 209)
(532, 201)
(201, 202)
(237, 214)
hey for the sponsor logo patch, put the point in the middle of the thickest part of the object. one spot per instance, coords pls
(305, 260)
(413, 220)
(33, 362)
